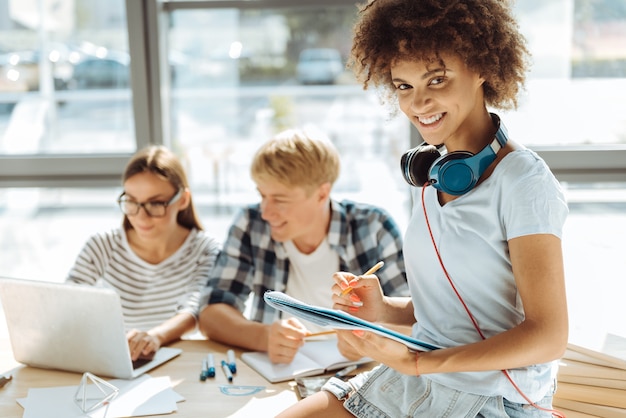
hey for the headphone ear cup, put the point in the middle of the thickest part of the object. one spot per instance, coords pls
(416, 163)
(453, 173)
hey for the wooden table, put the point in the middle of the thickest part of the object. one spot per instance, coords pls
(202, 399)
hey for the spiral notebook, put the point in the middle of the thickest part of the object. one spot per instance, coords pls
(332, 318)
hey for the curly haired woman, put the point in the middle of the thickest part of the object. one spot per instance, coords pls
(483, 246)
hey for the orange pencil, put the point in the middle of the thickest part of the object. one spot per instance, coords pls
(317, 334)
(372, 270)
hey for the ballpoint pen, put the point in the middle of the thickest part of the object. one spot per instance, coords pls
(211, 365)
(227, 371)
(372, 270)
(231, 361)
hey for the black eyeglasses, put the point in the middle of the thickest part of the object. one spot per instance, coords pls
(153, 209)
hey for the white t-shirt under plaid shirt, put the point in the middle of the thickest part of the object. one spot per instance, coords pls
(150, 293)
(252, 263)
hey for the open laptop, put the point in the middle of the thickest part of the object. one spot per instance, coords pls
(71, 327)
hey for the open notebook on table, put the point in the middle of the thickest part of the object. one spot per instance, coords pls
(71, 327)
(313, 358)
(332, 318)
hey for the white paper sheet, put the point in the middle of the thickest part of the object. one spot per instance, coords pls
(266, 407)
(139, 397)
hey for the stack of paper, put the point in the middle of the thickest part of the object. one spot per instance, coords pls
(592, 377)
(142, 396)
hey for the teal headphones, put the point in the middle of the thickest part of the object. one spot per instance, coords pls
(455, 173)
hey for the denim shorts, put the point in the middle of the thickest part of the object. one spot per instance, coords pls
(385, 393)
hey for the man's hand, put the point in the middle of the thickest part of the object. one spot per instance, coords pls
(285, 339)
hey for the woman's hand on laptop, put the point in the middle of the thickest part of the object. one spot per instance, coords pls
(142, 344)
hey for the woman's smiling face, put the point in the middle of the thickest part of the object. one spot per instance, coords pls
(438, 97)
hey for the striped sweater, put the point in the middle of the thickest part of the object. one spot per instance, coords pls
(150, 293)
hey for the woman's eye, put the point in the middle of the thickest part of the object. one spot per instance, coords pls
(436, 81)
(403, 87)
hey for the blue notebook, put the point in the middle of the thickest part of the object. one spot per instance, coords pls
(332, 318)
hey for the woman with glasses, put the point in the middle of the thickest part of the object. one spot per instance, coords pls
(158, 261)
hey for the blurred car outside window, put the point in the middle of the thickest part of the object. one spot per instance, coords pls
(319, 66)
(110, 70)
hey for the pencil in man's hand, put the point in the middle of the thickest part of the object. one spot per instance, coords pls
(372, 270)
(318, 334)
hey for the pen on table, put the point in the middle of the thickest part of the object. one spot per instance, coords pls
(372, 270)
(344, 372)
(205, 370)
(211, 365)
(231, 361)
(227, 371)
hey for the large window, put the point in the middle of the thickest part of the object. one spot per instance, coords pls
(578, 79)
(250, 81)
(66, 104)
(275, 64)
(64, 78)
(84, 83)
(213, 78)
(269, 69)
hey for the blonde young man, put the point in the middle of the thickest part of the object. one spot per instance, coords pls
(293, 241)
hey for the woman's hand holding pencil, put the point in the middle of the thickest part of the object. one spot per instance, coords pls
(347, 299)
(361, 296)
(372, 270)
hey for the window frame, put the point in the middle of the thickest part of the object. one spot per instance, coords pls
(147, 23)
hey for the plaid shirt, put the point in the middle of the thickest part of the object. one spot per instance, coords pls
(252, 262)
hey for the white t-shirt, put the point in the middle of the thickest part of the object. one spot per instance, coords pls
(521, 197)
(310, 277)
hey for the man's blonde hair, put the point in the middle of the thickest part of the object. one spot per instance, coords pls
(297, 158)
